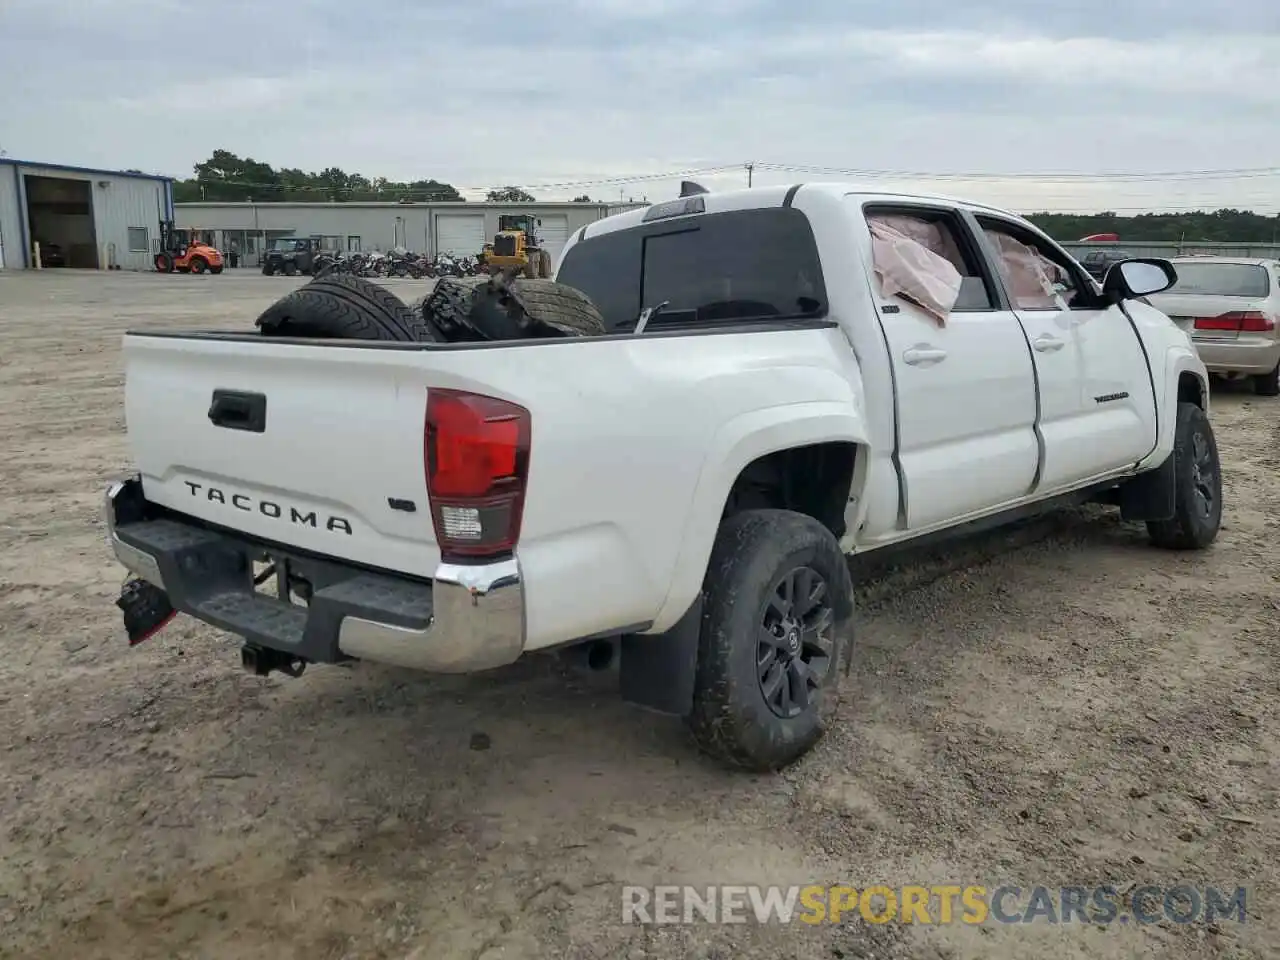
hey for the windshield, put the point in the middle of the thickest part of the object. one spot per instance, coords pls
(1221, 279)
(740, 265)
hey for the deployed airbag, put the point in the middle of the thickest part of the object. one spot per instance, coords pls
(913, 259)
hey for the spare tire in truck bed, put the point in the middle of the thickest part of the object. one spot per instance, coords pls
(343, 307)
(505, 308)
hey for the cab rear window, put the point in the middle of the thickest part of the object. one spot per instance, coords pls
(737, 266)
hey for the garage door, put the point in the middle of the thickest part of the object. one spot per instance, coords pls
(460, 234)
(554, 234)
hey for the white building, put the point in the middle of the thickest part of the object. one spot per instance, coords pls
(429, 228)
(81, 217)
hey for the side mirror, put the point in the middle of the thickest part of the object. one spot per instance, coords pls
(1138, 278)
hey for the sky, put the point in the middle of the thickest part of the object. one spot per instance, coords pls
(1078, 105)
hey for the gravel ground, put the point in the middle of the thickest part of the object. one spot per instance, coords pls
(1057, 704)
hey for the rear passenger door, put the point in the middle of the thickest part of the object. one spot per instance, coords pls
(1097, 404)
(964, 385)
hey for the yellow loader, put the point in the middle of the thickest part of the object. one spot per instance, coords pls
(515, 247)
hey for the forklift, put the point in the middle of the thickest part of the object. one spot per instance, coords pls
(516, 247)
(183, 251)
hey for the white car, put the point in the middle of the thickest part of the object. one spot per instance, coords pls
(1231, 308)
(833, 371)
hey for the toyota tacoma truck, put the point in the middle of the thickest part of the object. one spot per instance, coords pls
(788, 376)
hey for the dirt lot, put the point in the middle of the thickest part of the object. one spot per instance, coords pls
(1055, 705)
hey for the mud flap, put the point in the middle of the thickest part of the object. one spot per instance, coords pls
(658, 670)
(146, 610)
(1150, 495)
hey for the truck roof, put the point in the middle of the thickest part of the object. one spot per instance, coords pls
(777, 196)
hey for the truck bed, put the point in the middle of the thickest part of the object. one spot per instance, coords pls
(621, 428)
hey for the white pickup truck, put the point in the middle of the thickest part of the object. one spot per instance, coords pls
(831, 371)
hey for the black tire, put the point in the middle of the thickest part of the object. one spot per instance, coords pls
(1197, 486)
(290, 268)
(1267, 384)
(565, 308)
(343, 307)
(266, 270)
(198, 265)
(494, 309)
(755, 552)
(215, 269)
(164, 263)
(446, 310)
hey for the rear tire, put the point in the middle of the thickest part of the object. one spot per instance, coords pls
(198, 265)
(776, 628)
(340, 306)
(215, 270)
(1197, 486)
(1267, 384)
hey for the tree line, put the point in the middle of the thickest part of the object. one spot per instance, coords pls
(228, 178)
(1202, 226)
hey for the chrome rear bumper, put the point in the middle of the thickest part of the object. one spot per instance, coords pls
(467, 618)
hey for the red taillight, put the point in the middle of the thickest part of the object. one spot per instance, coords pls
(477, 461)
(1241, 321)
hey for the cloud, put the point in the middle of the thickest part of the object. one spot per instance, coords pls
(517, 91)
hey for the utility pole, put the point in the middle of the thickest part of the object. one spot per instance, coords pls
(750, 170)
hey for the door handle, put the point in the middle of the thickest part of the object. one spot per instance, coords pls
(1047, 344)
(923, 354)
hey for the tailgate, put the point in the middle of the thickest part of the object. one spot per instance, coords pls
(314, 447)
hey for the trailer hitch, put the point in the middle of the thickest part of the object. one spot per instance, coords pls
(260, 661)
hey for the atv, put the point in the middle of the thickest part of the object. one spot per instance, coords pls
(291, 256)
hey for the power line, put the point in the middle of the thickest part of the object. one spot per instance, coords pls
(1257, 194)
(857, 172)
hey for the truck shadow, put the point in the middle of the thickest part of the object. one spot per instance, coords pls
(543, 721)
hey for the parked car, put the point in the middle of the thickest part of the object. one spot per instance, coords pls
(675, 499)
(291, 256)
(51, 255)
(1230, 306)
(1098, 262)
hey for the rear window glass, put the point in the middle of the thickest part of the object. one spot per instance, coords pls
(736, 266)
(1222, 279)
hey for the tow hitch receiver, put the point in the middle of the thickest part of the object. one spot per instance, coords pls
(260, 661)
(146, 610)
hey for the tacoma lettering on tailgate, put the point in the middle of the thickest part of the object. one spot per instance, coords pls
(269, 508)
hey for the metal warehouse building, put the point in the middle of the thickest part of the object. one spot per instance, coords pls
(428, 228)
(81, 217)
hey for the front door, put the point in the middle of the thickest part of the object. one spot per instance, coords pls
(1097, 405)
(964, 387)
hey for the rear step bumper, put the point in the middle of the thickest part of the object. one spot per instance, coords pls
(467, 618)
